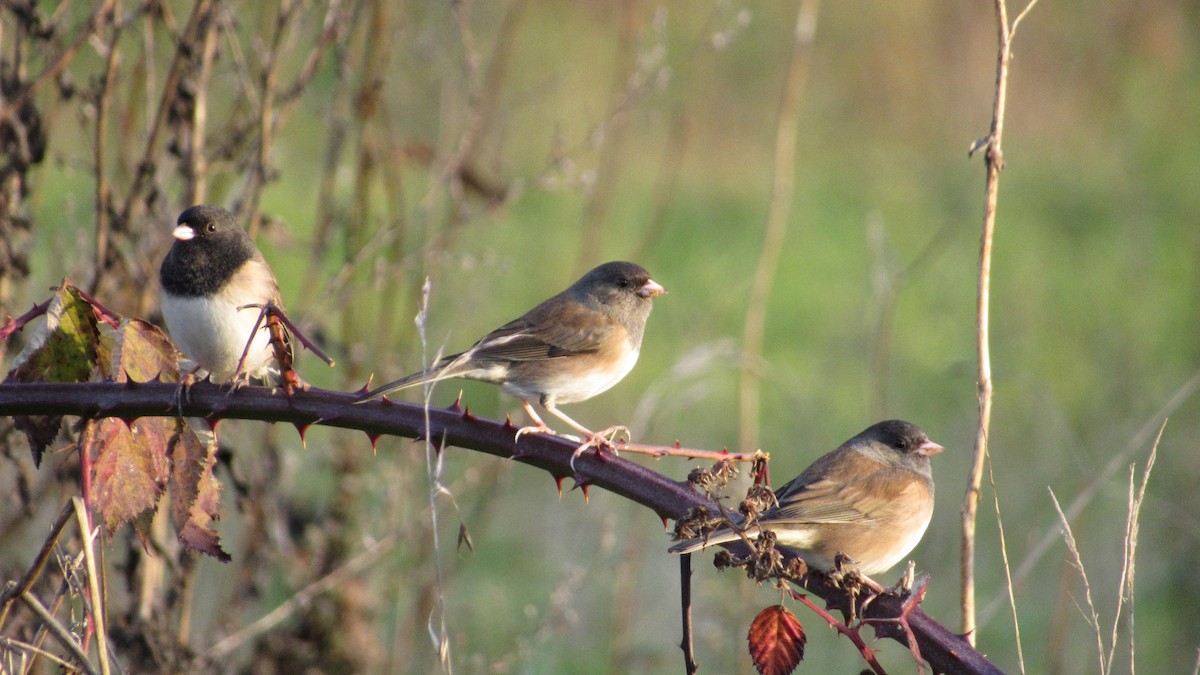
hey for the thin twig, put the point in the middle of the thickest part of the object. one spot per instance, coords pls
(13, 325)
(266, 120)
(1092, 617)
(782, 189)
(61, 634)
(657, 451)
(11, 593)
(685, 600)
(304, 597)
(852, 634)
(994, 162)
(64, 59)
(200, 20)
(16, 645)
(1012, 598)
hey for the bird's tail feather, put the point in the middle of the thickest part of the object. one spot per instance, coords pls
(431, 375)
(697, 543)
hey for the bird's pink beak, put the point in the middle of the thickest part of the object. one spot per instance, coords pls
(183, 232)
(929, 448)
(651, 289)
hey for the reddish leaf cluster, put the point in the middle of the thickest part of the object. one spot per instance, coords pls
(128, 463)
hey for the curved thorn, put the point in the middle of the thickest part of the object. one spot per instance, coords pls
(374, 438)
(302, 429)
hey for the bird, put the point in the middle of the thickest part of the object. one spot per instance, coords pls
(213, 286)
(569, 348)
(869, 501)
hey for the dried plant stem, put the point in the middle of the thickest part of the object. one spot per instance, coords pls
(1092, 617)
(10, 594)
(1012, 599)
(266, 120)
(782, 189)
(994, 161)
(201, 20)
(433, 467)
(1081, 501)
(94, 581)
(10, 644)
(1126, 585)
(61, 634)
(64, 59)
(103, 196)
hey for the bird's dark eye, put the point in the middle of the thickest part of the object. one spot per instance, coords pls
(211, 227)
(900, 443)
(623, 282)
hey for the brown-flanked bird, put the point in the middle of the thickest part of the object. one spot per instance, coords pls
(870, 500)
(570, 348)
(213, 285)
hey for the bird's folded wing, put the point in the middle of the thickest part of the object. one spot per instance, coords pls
(826, 501)
(525, 340)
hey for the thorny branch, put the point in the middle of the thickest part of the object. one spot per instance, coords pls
(944, 650)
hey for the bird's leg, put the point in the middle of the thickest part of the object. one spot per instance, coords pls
(240, 377)
(183, 391)
(538, 427)
(592, 439)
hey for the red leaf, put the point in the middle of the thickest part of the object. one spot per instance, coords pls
(138, 351)
(129, 467)
(776, 641)
(195, 492)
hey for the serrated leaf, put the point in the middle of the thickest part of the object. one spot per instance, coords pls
(137, 350)
(63, 349)
(129, 467)
(776, 641)
(195, 492)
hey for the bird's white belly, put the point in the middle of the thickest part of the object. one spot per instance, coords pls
(213, 333)
(583, 387)
(574, 386)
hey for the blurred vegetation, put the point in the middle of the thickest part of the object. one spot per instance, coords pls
(501, 149)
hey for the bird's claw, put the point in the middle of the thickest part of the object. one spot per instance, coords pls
(534, 429)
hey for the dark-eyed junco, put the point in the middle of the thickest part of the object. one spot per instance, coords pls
(571, 347)
(870, 500)
(214, 284)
